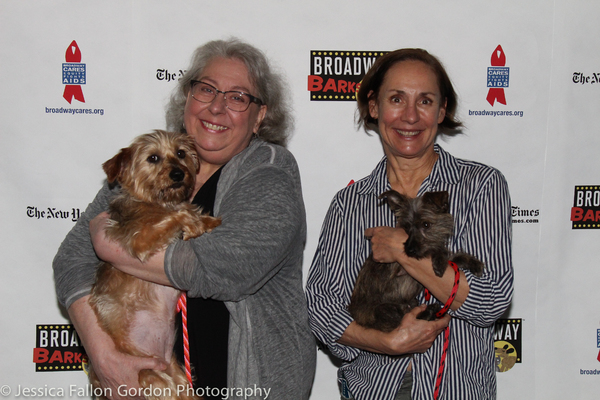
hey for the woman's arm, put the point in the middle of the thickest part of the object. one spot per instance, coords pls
(486, 234)
(329, 289)
(75, 267)
(262, 216)
(76, 262)
(412, 336)
(262, 227)
(388, 246)
(114, 369)
(151, 270)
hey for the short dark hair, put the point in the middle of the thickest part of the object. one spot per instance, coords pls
(373, 79)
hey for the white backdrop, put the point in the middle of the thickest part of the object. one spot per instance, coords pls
(50, 167)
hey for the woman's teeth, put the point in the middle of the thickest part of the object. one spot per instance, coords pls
(213, 127)
(408, 133)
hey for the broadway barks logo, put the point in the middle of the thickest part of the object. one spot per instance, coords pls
(497, 77)
(335, 75)
(73, 74)
(57, 348)
(585, 213)
(507, 344)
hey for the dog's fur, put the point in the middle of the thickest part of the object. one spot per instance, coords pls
(385, 292)
(156, 175)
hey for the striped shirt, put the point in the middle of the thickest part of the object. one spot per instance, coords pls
(480, 204)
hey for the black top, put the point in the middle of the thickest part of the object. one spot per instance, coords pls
(208, 320)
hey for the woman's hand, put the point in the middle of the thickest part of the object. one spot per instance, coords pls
(412, 336)
(117, 372)
(151, 270)
(387, 244)
(105, 249)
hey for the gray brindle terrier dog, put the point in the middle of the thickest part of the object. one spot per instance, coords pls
(385, 292)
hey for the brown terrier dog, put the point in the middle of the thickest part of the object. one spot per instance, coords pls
(156, 175)
(385, 292)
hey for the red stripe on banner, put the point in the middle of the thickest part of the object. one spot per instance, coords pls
(496, 94)
(73, 54)
(498, 57)
(73, 91)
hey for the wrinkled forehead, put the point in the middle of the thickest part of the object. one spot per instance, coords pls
(412, 72)
(228, 74)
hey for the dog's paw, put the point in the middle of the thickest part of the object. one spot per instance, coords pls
(467, 262)
(440, 263)
(210, 223)
(203, 224)
(429, 313)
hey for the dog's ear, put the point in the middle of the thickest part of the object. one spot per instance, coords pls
(395, 200)
(438, 200)
(196, 161)
(115, 165)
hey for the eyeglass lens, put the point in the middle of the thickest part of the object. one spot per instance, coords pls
(236, 101)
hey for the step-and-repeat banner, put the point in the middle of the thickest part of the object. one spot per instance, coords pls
(79, 80)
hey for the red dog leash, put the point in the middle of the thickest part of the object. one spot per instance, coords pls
(182, 306)
(440, 314)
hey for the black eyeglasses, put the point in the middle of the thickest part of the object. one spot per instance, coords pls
(234, 100)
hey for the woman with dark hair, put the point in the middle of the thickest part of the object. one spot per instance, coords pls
(247, 314)
(408, 100)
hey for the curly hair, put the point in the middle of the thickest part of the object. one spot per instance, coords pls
(271, 88)
(373, 79)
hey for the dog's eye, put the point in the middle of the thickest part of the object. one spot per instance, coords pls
(181, 154)
(426, 225)
(153, 159)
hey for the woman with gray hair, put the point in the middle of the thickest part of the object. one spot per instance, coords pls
(247, 315)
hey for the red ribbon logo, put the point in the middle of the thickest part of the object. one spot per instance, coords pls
(73, 55)
(498, 60)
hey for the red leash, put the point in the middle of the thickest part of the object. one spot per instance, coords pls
(440, 314)
(182, 306)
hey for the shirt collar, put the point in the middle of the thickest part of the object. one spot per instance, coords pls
(445, 170)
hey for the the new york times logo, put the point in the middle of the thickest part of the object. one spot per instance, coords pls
(335, 75)
(57, 348)
(585, 213)
(507, 344)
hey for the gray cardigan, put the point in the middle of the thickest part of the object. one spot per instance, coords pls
(252, 262)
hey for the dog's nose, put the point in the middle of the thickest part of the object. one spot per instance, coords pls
(411, 248)
(177, 175)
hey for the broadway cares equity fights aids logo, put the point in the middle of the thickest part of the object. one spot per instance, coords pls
(335, 75)
(498, 78)
(73, 77)
(73, 74)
